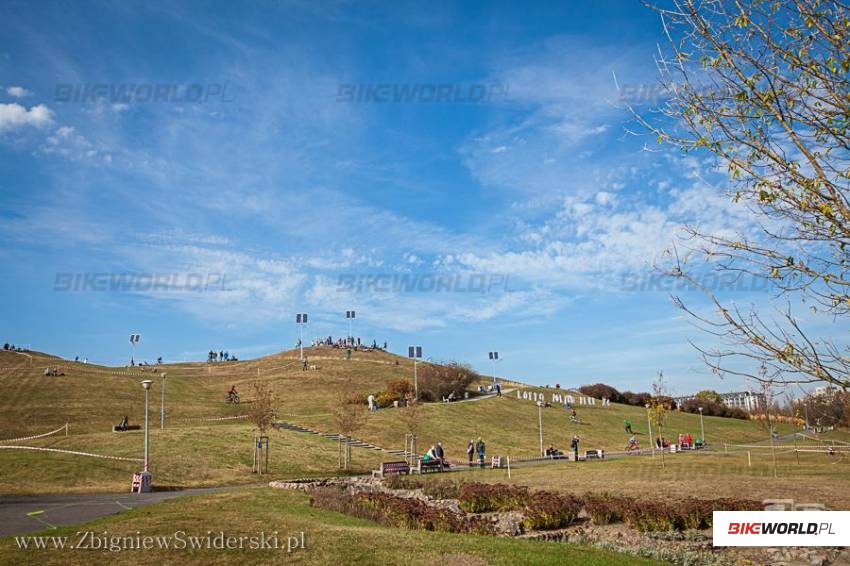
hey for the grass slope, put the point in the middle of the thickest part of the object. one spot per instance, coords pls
(330, 538)
(193, 452)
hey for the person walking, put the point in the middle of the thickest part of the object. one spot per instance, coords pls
(628, 425)
(479, 449)
(470, 450)
(574, 446)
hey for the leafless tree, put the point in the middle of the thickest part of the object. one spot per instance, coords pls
(763, 88)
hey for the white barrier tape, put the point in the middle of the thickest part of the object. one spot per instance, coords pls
(72, 452)
(213, 419)
(60, 429)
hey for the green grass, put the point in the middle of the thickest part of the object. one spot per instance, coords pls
(191, 452)
(329, 537)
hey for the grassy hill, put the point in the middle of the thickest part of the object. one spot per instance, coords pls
(195, 451)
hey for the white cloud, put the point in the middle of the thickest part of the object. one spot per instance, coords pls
(14, 116)
(17, 91)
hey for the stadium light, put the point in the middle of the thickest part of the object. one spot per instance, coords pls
(134, 339)
(414, 353)
(494, 357)
(301, 320)
(350, 315)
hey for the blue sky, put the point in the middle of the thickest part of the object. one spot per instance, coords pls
(282, 188)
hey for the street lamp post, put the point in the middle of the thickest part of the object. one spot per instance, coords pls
(414, 353)
(649, 424)
(301, 320)
(540, 424)
(162, 402)
(701, 427)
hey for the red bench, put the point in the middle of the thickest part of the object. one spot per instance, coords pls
(392, 468)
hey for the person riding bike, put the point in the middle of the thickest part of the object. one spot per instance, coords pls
(232, 395)
(633, 443)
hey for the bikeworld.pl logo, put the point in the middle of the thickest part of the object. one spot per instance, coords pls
(781, 528)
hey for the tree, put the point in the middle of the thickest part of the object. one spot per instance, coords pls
(710, 395)
(411, 417)
(262, 409)
(349, 416)
(658, 407)
(262, 414)
(763, 88)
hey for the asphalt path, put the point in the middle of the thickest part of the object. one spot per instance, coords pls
(30, 513)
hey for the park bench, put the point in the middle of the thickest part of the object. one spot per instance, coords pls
(392, 468)
(117, 428)
(426, 466)
(589, 454)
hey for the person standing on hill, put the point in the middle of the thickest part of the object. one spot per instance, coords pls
(479, 449)
(628, 425)
(574, 446)
(470, 450)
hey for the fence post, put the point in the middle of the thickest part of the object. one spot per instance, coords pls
(749, 460)
(508, 458)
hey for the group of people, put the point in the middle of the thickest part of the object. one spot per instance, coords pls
(52, 372)
(476, 448)
(220, 356)
(12, 348)
(347, 342)
(436, 454)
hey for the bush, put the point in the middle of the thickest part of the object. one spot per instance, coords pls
(440, 380)
(385, 399)
(605, 508)
(547, 511)
(484, 498)
(648, 516)
(442, 489)
(602, 391)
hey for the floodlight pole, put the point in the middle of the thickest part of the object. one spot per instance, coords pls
(301, 319)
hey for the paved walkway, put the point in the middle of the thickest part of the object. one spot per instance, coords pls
(30, 513)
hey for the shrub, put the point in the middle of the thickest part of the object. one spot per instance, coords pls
(442, 489)
(605, 508)
(385, 399)
(648, 516)
(602, 391)
(547, 511)
(439, 380)
(483, 498)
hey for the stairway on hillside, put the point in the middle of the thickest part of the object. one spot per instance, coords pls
(351, 441)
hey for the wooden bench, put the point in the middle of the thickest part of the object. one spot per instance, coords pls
(392, 468)
(590, 454)
(426, 466)
(117, 428)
